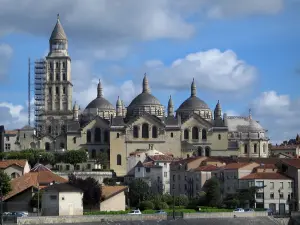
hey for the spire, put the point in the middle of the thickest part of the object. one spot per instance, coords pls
(170, 107)
(250, 115)
(193, 89)
(58, 32)
(146, 88)
(119, 102)
(99, 90)
(218, 111)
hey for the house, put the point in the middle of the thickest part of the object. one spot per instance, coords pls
(24, 188)
(292, 150)
(15, 168)
(275, 192)
(62, 200)
(113, 198)
(10, 140)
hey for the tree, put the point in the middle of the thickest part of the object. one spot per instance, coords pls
(110, 181)
(74, 157)
(102, 158)
(5, 183)
(91, 190)
(36, 199)
(139, 191)
(213, 192)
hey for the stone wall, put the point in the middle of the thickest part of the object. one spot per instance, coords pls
(224, 215)
(97, 175)
(87, 219)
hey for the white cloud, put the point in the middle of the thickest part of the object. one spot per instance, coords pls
(231, 8)
(154, 63)
(12, 116)
(279, 114)
(6, 53)
(232, 113)
(85, 86)
(212, 69)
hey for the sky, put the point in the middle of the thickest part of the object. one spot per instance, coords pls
(246, 54)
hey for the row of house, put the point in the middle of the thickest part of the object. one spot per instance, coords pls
(59, 197)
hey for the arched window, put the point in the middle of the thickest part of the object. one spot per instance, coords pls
(88, 136)
(47, 146)
(204, 134)
(49, 129)
(199, 151)
(219, 136)
(106, 136)
(145, 130)
(94, 153)
(264, 148)
(186, 134)
(255, 148)
(119, 160)
(195, 133)
(154, 132)
(14, 175)
(135, 131)
(207, 151)
(97, 134)
(245, 148)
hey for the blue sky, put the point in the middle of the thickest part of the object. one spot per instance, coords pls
(247, 54)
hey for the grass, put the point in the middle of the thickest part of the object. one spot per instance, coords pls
(152, 211)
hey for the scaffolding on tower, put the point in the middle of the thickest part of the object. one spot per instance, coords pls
(40, 71)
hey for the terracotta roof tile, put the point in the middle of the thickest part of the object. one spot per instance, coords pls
(110, 191)
(187, 160)
(266, 176)
(207, 168)
(14, 132)
(232, 166)
(283, 147)
(161, 158)
(33, 179)
(7, 163)
(292, 162)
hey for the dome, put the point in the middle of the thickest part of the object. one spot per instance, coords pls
(193, 103)
(144, 99)
(100, 103)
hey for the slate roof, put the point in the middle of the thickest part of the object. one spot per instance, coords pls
(58, 32)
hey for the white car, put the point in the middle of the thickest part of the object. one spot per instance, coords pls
(239, 210)
(135, 212)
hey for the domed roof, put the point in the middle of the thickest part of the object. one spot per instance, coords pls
(192, 103)
(144, 99)
(100, 102)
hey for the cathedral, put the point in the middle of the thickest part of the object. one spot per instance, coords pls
(191, 130)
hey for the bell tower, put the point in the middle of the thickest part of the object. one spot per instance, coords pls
(58, 85)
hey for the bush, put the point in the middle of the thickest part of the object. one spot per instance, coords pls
(160, 205)
(181, 200)
(105, 213)
(146, 205)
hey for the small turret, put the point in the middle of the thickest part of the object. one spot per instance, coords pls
(75, 112)
(119, 107)
(170, 107)
(124, 111)
(58, 41)
(193, 89)
(218, 111)
(146, 88)
(99, 90)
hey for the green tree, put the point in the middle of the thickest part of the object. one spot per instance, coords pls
(74, 157)
(213, 192)
(181, 200)
(5, 183)
(110, 181)
(102, 158)
(138, 191)
(91, 190)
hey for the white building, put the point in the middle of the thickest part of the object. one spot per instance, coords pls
(62, 200)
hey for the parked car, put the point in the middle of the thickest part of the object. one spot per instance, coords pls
(249, 210)
(19, 214)
(160, 212)
(135, 212)
(239, 210)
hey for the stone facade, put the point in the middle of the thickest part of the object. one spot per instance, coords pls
(194, 129)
